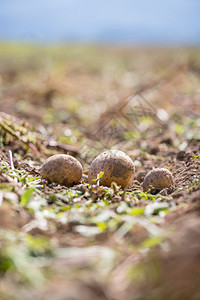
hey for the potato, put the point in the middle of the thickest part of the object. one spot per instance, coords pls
(117, 166)
(63, 169)
(158, 178)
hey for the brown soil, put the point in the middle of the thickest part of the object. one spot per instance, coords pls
(169, 271)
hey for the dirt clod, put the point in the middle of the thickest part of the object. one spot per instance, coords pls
(158, 178)
(181, 155)
(141, 175)
(117, 166)
(63, 169)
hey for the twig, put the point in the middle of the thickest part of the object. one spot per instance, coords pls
(11, 160)
(124, 193)
(1, 198)
(62, 146)
(11, 164)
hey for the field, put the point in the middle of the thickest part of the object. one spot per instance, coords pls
(90, 241)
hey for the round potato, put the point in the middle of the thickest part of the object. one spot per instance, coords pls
(63, 169)
(158, 178)
(117, 166)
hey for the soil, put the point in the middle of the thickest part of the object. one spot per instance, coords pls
(146, 245)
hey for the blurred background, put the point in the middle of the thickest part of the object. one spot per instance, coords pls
(80, 59)
(169, 22)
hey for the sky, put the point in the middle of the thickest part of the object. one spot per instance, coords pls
(106, 21)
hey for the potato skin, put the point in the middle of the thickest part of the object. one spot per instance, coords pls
(158, 178)
(63, 169)
(117, 167)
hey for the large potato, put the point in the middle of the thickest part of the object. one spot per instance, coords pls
(158, 178)
(117, 167)
(63, 169)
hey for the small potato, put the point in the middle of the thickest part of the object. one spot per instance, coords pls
(158, 178)
(63, 169)
(117, 166)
